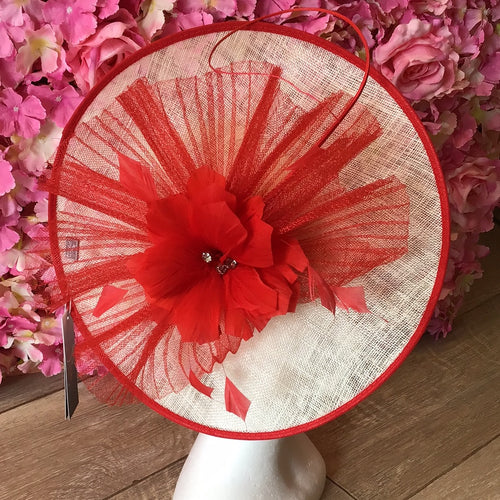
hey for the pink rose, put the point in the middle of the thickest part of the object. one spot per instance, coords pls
(419, 60)
(474, 191)
(112, 42)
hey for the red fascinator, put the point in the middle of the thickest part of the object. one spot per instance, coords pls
(249, 248)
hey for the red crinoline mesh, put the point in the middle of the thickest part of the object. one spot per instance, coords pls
(244, 127)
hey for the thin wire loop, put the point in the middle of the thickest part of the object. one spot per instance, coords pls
(349, 104)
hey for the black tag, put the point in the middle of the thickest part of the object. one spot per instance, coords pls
(70, 375)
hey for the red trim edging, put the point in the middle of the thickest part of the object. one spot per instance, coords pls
(404, 105)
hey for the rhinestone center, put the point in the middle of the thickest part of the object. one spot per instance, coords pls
(221, 267)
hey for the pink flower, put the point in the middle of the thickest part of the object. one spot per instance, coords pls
(310, 24)
(153, 16)
(219, 9)
(24, 193)
(474, 191)
(31, 155)
(390, 5)
(491, 68)
(113, 41)
(9, 76)
(58, 103)
(436, 7)
(6, 45)
(48, 336)
(264, 8)
(42, 210)
(7, 181)
(11, 11)
(74, 18)
(181, 22)
(364, 15)
(106, 8)
(419, 60)
(42, 45)
(19, 116)
(10, 325)
(51, 363)
(131, 6)
(245, 8)
(8, 238)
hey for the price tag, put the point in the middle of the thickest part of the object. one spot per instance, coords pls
(70, 375)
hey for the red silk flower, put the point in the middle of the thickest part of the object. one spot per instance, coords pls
(214, 265)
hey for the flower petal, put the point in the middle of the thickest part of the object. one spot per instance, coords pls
(169, 215)
(218, 226)
(197, 312)
(256, 251)
(246, 290)
(207, 186)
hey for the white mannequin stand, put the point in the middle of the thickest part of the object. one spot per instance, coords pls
(229, 469)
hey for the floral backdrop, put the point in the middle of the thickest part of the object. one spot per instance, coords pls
(443, 55)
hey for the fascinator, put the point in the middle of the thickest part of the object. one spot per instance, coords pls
(251, 227)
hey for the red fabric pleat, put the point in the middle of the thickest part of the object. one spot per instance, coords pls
(247, 129)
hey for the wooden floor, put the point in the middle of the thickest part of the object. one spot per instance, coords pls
(432, 431)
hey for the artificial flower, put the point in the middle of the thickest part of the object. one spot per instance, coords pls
(474, 188)
(74, 18)
(7, 181)
(419, 60)
(436, 7)
(8, 238)
(18, 115)
(14, 12)
(42, 45)
(106, 8)
(6, 45)
(181, 22)
(112, 42)
(25, 191)
(32, 155)
(153, 16)
(59, 103)
(226, 271)
(9, 76)
(245, 8)
(219, 9)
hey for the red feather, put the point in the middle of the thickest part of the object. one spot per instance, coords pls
(236, 402)
(318, 286)
(137, 179)
(352, 297)
(110, 296)
(199, 386)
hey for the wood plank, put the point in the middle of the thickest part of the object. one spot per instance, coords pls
(333, 492)
(159, 485)
(162, 485)
(100, 451)
(477, 477)
(19, 389)
(442, 404)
